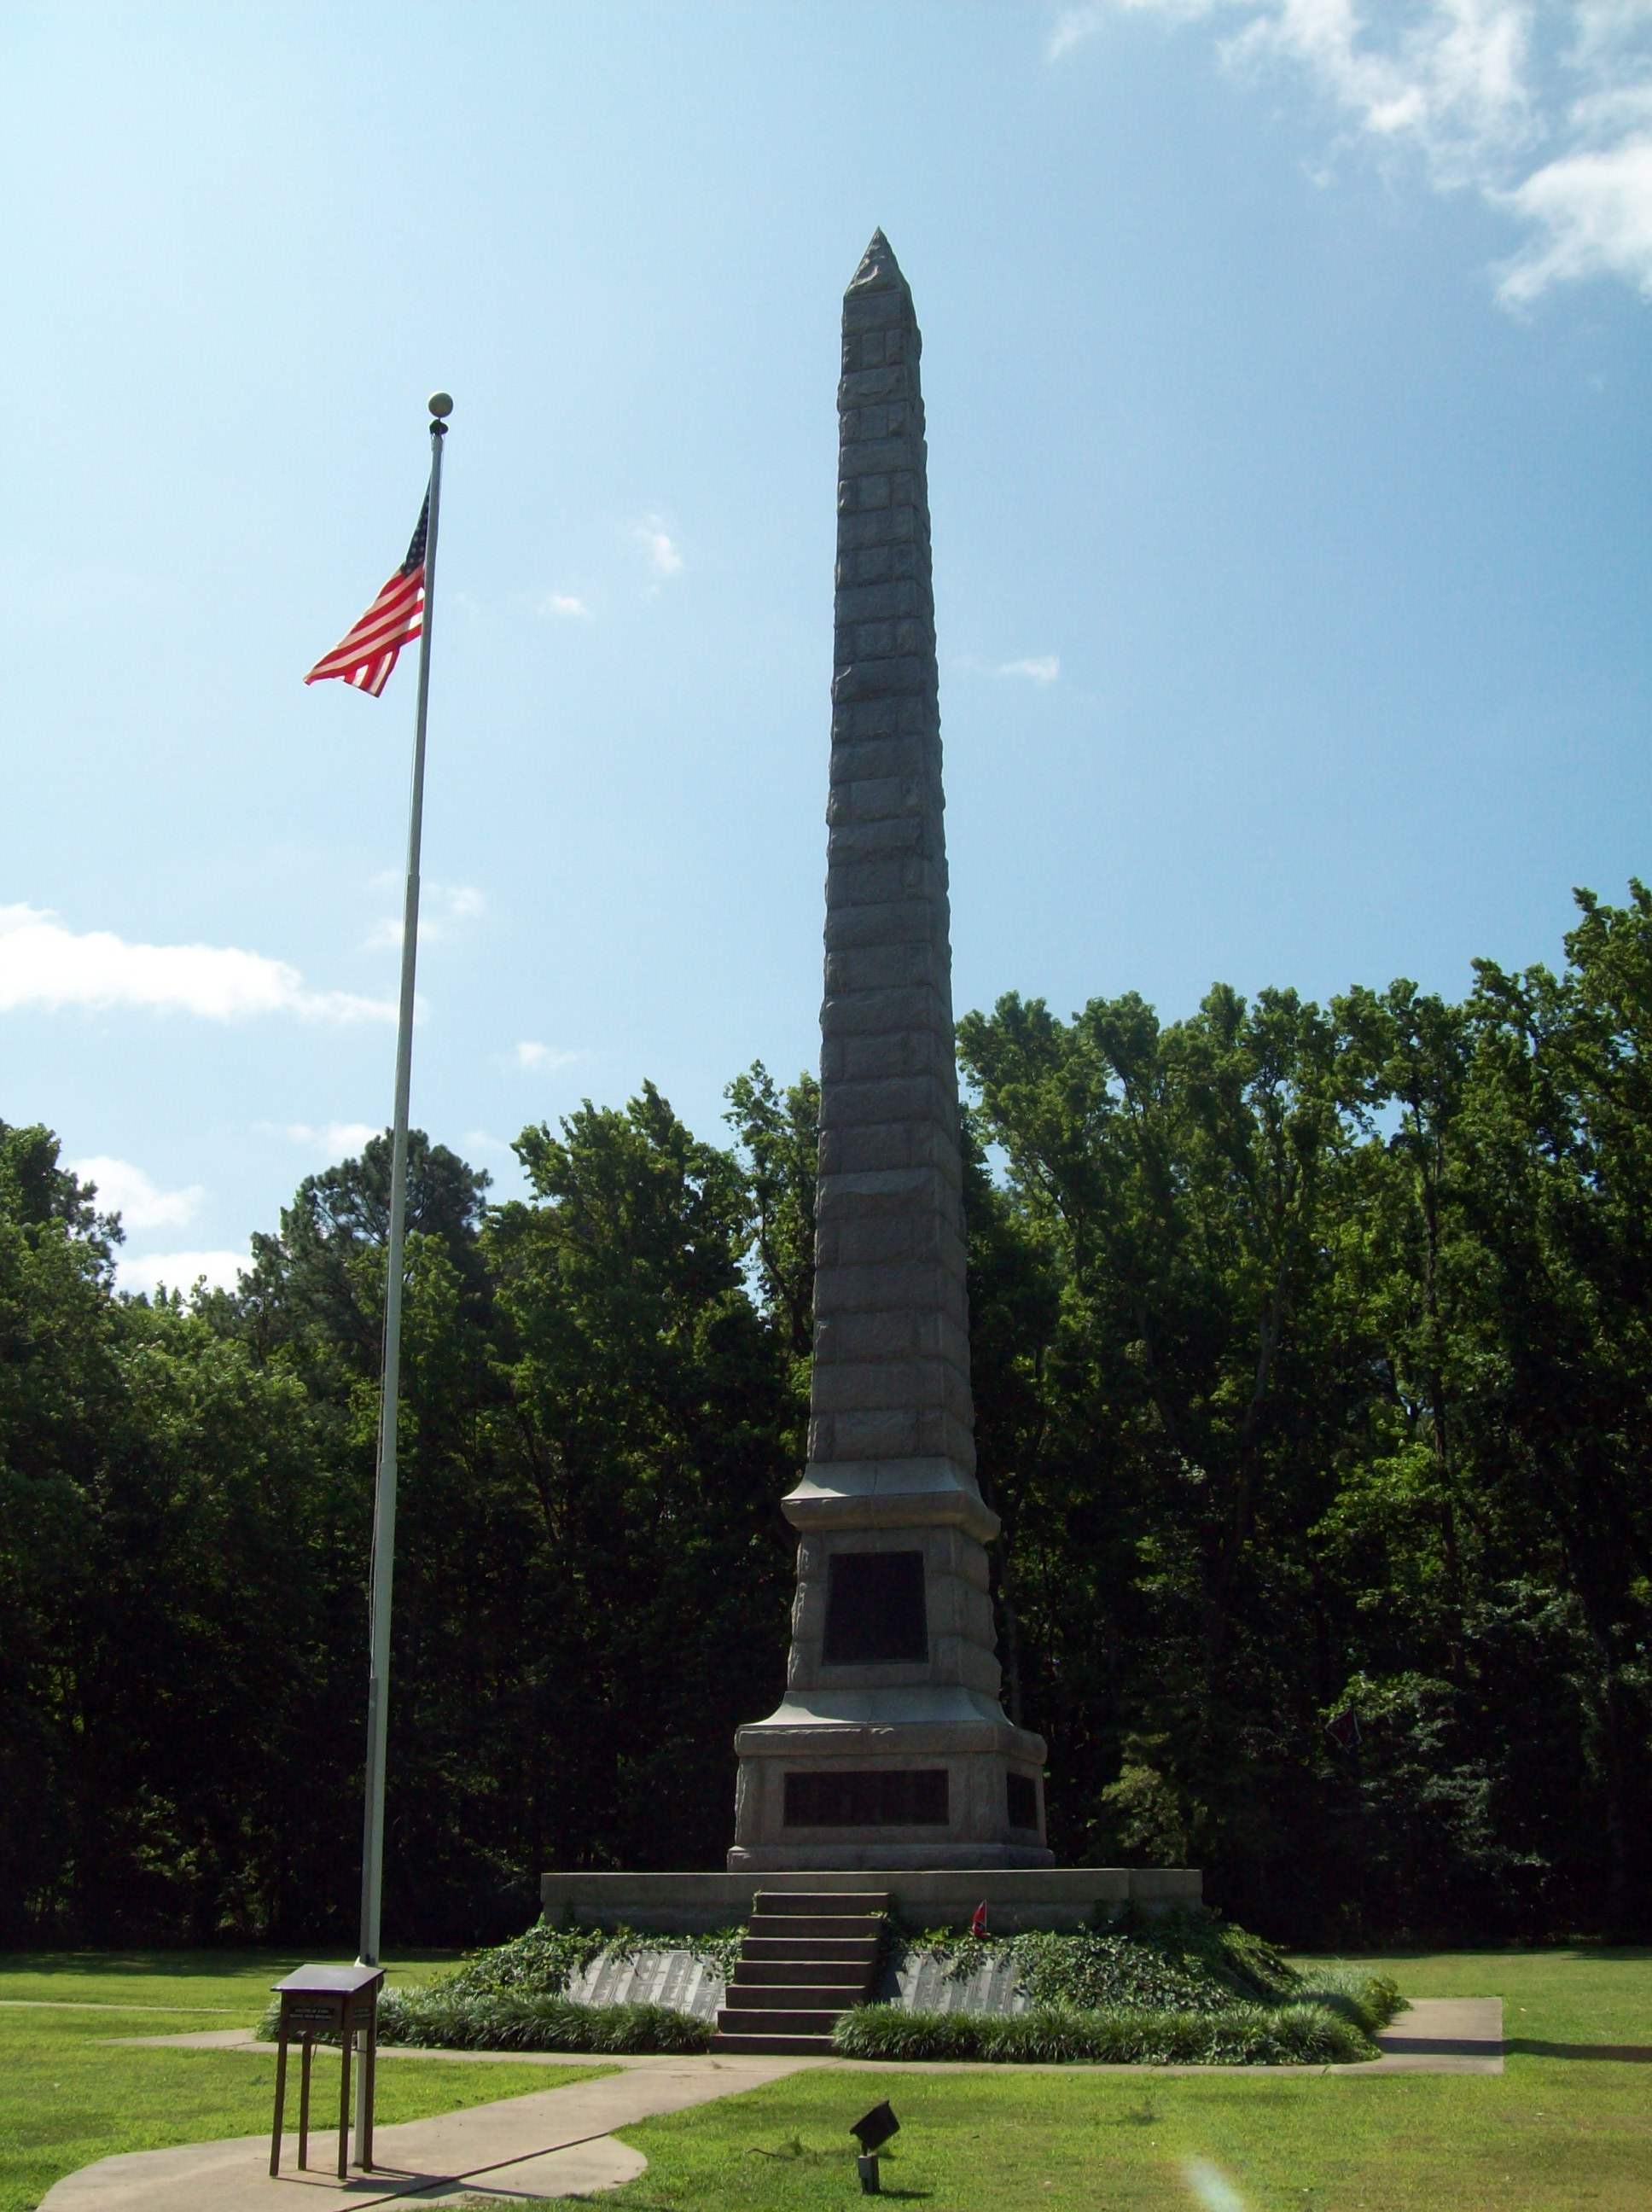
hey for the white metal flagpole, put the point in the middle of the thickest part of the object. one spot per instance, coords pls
(384, 1499)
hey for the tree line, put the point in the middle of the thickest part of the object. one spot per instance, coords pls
(1313, 1361)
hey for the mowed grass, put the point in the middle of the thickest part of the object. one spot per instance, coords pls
(67, 2096)
(1567, 2125)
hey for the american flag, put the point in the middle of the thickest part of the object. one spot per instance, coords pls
(366, 652)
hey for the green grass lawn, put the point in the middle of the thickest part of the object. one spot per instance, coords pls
(67, 2097)
(1568, 2124)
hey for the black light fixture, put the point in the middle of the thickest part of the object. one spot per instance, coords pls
(871, 2131)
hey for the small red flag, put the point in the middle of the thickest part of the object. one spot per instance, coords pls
(978, 1919)
(366, 653)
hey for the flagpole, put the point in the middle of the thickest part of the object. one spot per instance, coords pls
(384, 1497)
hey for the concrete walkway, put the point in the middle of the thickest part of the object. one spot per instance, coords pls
(554, 2143)
(1433, 2035)
(559, 2142)
(1440, 2035)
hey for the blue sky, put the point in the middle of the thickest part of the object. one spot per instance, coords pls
(1286, 367)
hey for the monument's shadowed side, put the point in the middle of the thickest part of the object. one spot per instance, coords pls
(889, 1748)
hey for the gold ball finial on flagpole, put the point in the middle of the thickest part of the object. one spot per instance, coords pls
(441, 404)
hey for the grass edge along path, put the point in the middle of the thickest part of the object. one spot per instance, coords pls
(69, 2094)
(1567, 2125)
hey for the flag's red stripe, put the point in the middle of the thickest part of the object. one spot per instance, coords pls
(378, 626)
(365, 655)
(368, 638)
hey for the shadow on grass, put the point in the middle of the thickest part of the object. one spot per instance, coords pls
(1624, 2054)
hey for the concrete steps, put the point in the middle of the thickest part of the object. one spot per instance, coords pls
(806, 1958)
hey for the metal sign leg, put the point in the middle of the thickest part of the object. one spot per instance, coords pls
(369, 2084)
(344, 2105)
(306, 2053)
(280, 2099)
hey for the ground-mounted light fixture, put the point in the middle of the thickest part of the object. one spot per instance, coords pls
(873, 2130)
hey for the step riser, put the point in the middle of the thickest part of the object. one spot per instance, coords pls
(800, 1924)
(774, 2022)
(821, 1902)
(855, 1951)
(797, 1974)
(781, 2046)
(800, 1996)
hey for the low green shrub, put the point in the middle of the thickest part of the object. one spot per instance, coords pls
(441, 2019)
(1197, 1940)
(1243, 2035)
(436, 2018)
(1185, 1961)
(1110, 1974)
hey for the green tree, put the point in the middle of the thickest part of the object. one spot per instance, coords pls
(650, 1406)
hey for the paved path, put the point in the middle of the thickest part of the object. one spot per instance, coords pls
(554, 2142)
(558, 2142)
(1441, 2035)
(1434, 2035)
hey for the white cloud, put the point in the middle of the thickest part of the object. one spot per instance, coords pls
(531, 1055)
(1592, 209)
(1044, 670)
(1543, 107)
(124, 1190)
(46, 967)
(1453, 82)
(335, 1140)
(663, 556)
(570, 608)
(1074, 24)
(179, 1271)
(1071, 28)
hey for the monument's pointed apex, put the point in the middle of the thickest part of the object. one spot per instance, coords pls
(879, 271)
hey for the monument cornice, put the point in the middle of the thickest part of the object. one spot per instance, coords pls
(897, 1493)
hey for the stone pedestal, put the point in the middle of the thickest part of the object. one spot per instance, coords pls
(889, 1748)
(924, 1896)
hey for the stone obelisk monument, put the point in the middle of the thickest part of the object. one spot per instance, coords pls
(890, 1748)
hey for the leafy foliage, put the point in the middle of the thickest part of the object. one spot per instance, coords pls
(1173, 1962)
(1313, 1365)
(542, 1962)
(1244, 2035)
(436, 2018)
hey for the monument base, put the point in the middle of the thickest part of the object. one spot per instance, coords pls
(923, 1896)
(918, 1775)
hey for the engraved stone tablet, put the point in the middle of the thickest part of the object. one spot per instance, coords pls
(875, 1609)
